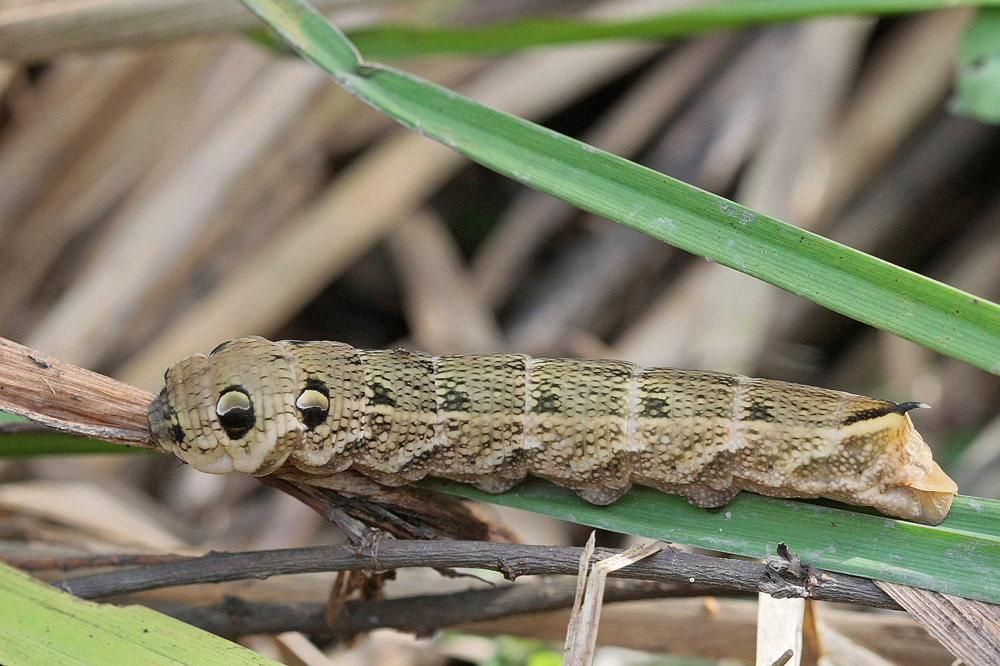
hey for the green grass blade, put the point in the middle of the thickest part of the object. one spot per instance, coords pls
(840, 278)
(58, 444)
(42, 626)
(397, 40)
(14, 445)
(960, 556)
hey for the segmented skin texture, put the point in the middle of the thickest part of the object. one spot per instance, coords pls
(594, 426)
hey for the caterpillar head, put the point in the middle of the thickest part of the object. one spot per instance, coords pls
(233, 409)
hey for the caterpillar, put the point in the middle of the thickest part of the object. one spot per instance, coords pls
(596, 427)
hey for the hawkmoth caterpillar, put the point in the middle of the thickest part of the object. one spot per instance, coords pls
(596, 427)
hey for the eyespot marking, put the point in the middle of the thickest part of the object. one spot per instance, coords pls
(314, 403)
(236, 412)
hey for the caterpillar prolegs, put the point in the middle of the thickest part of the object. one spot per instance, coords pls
(594, 426)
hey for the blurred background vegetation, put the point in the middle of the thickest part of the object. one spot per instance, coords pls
(152, 155)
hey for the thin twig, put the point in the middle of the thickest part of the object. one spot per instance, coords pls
(512, 560)
(353, 528)
(784, 658)
(94, 561)
(422, 615)
(352, 501)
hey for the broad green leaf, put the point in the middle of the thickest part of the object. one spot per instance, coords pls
(977, 86)
(397, 40)
(43, 626)
(960, 556)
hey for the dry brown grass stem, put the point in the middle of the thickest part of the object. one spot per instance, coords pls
(40, 30)
(71, 399)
